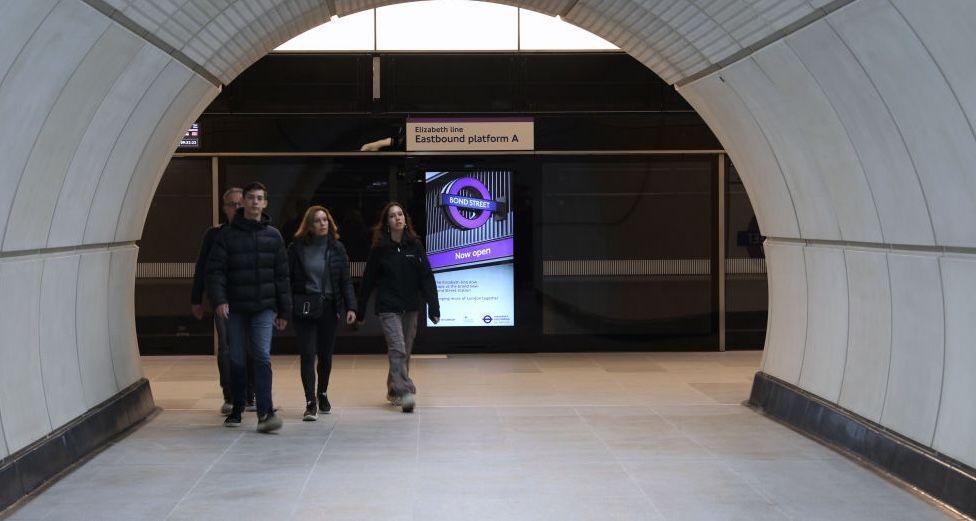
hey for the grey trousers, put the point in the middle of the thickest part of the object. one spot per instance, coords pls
(399, 329)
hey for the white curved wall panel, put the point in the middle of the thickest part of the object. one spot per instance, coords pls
(196, 94)
(816, 144)
(60, 366)
(137, 131)
(946, 33)
(814, 208)
(33, 83)
(3, 439)
(735, 127)
(680, 39)
(121, 319)
(28, 16)
(787, 329)
(869, 333)
(917, 346)
(927, 112)
(91, 322)
(955, 433)
(22, 402)
(876, 139)
(101, 138)
(825, 352)
(60, 137)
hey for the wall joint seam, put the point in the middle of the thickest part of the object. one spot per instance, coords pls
(815, 16)
(120, 18)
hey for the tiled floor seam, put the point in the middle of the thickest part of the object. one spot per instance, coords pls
(623, 468)
(311, 471)
(203, 475)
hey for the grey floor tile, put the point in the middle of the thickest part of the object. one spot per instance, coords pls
(591, 436)
(534, 508)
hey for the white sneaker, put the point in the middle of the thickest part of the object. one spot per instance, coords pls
(408, 402)
(310, 413)
(226, 408)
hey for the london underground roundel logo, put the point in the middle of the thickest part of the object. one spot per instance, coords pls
(454, 201)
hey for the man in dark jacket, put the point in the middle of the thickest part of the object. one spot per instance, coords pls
(247, 280)
(232, 200)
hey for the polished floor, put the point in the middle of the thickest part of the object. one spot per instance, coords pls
(657, 436)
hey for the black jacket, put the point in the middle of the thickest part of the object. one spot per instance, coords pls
(401, 274)
(248, 268)
(344, 294)
(200, 272)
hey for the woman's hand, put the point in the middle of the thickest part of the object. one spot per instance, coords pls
(279, 323)
(435, 319)
(350, 317)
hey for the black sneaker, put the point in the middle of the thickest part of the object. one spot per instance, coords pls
(310, 414)
(324, 406)
(269, 423)
(234, 418)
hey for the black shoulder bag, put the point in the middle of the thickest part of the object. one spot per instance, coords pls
(306, 307)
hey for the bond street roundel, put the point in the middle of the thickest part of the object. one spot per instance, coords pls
(454, 201)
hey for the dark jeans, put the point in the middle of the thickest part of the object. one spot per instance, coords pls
(250, 334)
(317, 338)
(223, 364)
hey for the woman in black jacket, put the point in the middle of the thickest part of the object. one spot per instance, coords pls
(398, 269)
(322, 290)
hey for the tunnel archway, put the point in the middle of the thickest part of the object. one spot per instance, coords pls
(851, 123)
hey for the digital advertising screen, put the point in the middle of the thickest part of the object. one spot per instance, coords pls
(470, 244)
(191, 139)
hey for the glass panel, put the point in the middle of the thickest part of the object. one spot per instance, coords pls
(746, 293)
(474, 82)
(295, 84)
(627, 248)
(179, 214)
(354, 190)
(347, 33)
(539, 31)
(446, 25)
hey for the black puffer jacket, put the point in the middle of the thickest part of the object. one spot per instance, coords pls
(401, 274)
(344, 294)
(248, 268)
(200, 272)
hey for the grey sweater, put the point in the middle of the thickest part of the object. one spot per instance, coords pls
(315, 261)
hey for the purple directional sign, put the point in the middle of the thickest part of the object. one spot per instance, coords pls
(454, 201)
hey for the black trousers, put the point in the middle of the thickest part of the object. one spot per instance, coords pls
(317, 339)
(223, 364)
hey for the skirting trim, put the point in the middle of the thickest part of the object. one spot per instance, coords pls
(32, 467)
(936, 474)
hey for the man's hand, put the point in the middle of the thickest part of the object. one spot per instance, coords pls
(197, 310)
(223, 311)
(280, 323)
(375, 146)
(350, 317)
(435, 319)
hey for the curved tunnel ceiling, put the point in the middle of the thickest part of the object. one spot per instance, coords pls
(851, 123)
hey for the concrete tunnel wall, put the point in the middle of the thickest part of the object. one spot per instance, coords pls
(851, 123)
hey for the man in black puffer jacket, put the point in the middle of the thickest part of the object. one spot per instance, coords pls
(247, 280)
